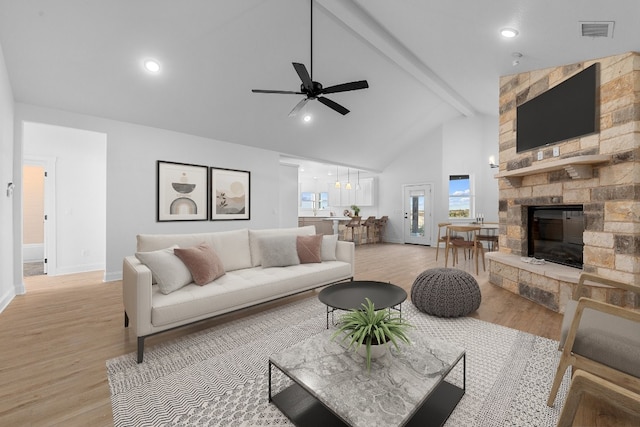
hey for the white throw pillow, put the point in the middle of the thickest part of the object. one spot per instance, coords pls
(329, 243)
(168, 271)
(278, 251)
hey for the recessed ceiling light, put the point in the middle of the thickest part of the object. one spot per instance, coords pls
(307, 118)
(151, 65)
(508, 33)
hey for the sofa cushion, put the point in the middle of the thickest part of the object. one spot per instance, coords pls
(278, 251)
(255, 235)
(168, 271)
(309, 248)
(329, 244)
(202, 262)
(242, 288)
(231, 246)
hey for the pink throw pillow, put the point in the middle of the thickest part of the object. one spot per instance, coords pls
(309, 248)
(202, 262)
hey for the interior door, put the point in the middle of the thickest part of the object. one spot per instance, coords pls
(417, 214)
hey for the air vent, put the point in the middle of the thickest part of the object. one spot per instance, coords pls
(596, 29)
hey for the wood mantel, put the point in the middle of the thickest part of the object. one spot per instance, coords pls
(579, 167)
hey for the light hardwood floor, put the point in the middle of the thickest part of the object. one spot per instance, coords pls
(55, 339)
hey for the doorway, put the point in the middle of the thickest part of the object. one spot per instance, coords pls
(418, 214)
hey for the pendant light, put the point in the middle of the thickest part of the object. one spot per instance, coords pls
(358, 183)
(348, 186)
(337, 184)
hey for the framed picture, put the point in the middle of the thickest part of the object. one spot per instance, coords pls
(182, 192)
(230, 194)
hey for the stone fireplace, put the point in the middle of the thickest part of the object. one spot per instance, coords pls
(599, 172)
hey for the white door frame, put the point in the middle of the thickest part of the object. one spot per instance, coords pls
(49, 165)
(427, 239)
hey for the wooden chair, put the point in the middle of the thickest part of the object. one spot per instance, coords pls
(456, 241)
(379, 228)
(585, 383)
(442, 237)
(354, 224)
(369, 225)
(489, 236)
(600, 338)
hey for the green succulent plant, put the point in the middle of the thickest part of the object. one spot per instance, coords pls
(368, 326)
(356, 210)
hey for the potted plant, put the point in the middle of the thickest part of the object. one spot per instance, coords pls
(356, 210)
(370, 327)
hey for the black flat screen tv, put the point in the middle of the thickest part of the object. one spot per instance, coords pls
(568, 110)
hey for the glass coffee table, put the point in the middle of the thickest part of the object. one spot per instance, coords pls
(351, 296)
(331, 385)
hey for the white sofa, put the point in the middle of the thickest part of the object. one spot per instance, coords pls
(245, 282)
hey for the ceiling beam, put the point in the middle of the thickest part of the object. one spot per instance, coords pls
(361, 23)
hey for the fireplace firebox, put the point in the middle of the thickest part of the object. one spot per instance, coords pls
(555, 234)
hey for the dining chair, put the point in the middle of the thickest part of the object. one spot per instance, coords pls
(600, 338)
(442, 236)
(490, 236)
(456, 240)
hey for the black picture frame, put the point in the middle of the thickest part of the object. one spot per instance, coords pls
(230, 196)
(182, 192)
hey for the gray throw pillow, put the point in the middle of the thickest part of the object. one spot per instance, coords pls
(278, 251)
(168, 271)
(328, 250)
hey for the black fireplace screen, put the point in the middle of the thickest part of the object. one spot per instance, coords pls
(555, 234)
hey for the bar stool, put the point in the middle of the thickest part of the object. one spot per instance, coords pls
(354, 224)
(378, 229)
(369, 225)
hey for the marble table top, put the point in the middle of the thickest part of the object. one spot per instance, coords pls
(388, 395)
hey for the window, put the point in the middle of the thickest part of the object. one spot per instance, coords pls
(460, 196)
(309, 200)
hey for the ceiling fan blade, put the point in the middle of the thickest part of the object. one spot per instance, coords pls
(333, 105)
(298, 107)
(286, 92)
(362, 84)
(304, 76)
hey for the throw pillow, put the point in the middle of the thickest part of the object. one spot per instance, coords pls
(309, 248)
(329, 243)
(278, 251)
(202, 262)
(168, 271)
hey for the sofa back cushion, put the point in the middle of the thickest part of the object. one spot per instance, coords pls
(255, 235)
(232, 247)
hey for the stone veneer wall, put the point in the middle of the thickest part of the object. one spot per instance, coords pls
(611, 198)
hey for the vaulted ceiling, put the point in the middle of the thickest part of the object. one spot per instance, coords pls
(426, 62)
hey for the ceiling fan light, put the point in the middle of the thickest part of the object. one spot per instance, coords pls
(151, 65)
(508, 33)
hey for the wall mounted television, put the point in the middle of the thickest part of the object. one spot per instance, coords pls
(568, 110)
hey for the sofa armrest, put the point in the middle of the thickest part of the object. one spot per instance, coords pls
(345, 251)
(136, 293)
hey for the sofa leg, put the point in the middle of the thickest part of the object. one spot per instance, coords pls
(126, 320)
(140, 349)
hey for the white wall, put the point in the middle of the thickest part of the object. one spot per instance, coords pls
(80, 181)
(8, 288)
(288, 196)
(132, 152)
(460, 146)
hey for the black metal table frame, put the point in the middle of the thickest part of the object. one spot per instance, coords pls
(332, 309)
(302, 409)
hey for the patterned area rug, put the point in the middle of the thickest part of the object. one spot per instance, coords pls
(218, 377)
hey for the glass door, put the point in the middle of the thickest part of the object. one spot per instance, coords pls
(417, 214)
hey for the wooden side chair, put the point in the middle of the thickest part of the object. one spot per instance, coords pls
(490, 236)
(354, 225)
(586, 383)
(456, 241)
(600, 338)
(442, 237)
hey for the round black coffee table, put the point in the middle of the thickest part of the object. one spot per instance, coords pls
(351, 296)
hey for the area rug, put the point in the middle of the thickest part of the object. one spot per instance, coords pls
(218, 377)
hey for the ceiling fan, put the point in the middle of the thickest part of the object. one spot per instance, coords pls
(315, 90)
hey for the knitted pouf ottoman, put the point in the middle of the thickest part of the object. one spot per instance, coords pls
(446, 292)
